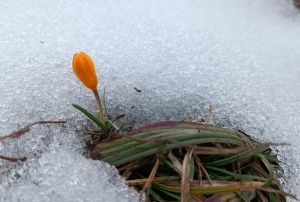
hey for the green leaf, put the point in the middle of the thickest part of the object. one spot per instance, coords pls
(91, 117)
(268, 166)
(243, 155)
(156, 196)
(170, 165)
(114, 126)
(171, 194)
(236, 176)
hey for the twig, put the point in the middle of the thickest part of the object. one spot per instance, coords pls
(119, 117)
(22, 131)
(137, 90)
(144, 180)
(13, 159)
(91, 132)
(151, 176)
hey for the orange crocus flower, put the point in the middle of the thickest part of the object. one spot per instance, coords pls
(84, 69)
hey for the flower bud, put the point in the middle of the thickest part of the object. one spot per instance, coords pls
(84, 69)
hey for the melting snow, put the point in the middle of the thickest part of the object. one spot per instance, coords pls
(242, 57)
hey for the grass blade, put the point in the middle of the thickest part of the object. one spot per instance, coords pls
(91, 117)
(215, 187)
(242, 155)
(185, 177)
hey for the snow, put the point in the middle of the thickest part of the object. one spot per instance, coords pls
(242, 57)
(66, 176)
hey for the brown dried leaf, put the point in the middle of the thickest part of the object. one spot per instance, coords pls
(175, 162)
(185, 177)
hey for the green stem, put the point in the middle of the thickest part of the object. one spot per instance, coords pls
(100, 108)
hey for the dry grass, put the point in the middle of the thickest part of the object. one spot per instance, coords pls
(184, 161)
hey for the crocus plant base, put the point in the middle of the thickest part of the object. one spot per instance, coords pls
(183, 161)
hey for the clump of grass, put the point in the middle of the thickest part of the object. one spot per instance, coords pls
(184, 161)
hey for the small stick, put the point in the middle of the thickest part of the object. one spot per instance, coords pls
(13, 159)
(144, 180)
(22, 131)
(151, 177)
(119, 117)
(137, 90)
(91, 132)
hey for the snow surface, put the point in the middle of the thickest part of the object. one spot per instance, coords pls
(242, 57)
